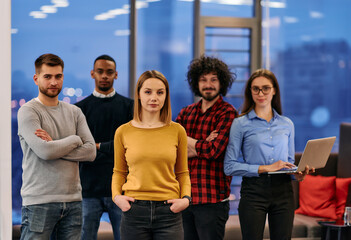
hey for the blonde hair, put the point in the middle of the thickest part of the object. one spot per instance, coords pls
(166, 112)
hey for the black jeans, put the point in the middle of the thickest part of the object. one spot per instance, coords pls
(267, 194)
(205, 221)
(151, 220)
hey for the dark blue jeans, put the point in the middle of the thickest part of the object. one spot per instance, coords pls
(205, 221)
(93, 208)
(59, 221)
(151, 220)
(270, 195)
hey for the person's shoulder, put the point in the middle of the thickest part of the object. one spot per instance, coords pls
(177, 126)
(242, 120)
(31, 103)
(124, 127)
(286, 119)
(189, 107)
(85, 101)
(69, 107)
(228, 107)
(28, 106)
(226, 110)
(122, 98)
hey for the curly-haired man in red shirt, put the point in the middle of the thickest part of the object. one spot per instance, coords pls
(207, 124)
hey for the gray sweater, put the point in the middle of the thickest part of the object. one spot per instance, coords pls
(50, 169)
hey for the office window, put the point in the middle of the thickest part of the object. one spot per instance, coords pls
(233, 46)
(77, 31)
(310, 53)
(306, 43)
(227, 8)
(165, 35)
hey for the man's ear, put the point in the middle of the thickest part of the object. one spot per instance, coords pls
(35, 78)
(116, 74)
(92, 74)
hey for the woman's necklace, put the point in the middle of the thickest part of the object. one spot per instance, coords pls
(151, 125)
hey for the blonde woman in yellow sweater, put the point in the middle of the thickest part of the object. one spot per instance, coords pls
(150, 182)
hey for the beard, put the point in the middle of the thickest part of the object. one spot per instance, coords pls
(209, 97)
(48, 94)
(104, 89)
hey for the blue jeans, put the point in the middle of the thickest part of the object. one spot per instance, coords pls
(92, 211)
(61, 220)
(151, 220)
(205, 221)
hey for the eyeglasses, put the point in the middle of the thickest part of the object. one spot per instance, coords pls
(265, 90)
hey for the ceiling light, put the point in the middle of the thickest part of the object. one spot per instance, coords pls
(38, 14)
(60, 3)
(314, 14)
(120, 33)
(48, 9)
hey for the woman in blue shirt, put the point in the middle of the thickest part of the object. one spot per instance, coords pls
(262, 140)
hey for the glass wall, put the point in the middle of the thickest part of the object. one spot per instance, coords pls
(164, 43)
(78, 32)
(227, 8)
(306, 43)
(309, 49)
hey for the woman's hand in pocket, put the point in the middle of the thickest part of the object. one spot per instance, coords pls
(122, 202)
(178, 204)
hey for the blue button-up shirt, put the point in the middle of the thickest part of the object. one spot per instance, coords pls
(253, 142)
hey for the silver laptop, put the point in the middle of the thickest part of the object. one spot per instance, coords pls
(315, 155)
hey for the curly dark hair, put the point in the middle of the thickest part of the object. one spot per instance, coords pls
(205, 65)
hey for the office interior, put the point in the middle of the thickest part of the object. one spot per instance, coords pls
(306, 43)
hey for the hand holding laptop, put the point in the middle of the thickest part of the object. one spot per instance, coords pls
(300, 176)
(316, 155)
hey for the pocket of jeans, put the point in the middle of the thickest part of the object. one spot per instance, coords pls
(37, 218)
(76, 217)
(131, 206)
(169, 207)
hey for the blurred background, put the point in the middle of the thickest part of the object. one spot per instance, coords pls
(306, 43)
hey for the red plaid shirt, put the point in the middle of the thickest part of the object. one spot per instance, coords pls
(209, 184)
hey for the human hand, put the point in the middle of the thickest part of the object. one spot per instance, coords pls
(178, 204)
(275, 166)
(212, 136)
(122, 202)
(191, 147)
(300, 176)
(43, 135)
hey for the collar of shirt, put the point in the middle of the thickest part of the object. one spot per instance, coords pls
(38, 100)
(213, 107)
(100, 95)
(252, 114)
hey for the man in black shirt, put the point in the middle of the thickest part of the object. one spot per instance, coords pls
(105, 110)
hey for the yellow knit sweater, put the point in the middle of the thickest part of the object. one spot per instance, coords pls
(151, 164)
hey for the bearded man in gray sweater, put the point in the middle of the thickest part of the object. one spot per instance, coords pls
(54, 137)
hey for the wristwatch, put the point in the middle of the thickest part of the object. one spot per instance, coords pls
(189, 198)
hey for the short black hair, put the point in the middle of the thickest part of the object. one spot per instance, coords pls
(204, 65)
(49, 59)
(105, 57)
